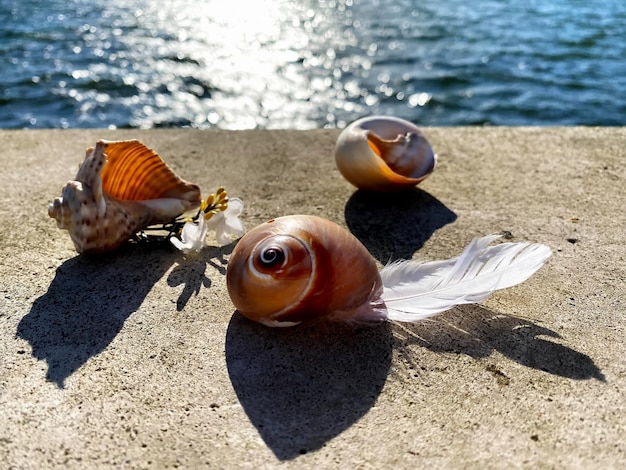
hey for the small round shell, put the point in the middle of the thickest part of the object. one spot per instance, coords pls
(384, 153)
(301, 268)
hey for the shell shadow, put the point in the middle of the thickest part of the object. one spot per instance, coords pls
(87, 304)
(478, 332)
(394, 226)
(304, 385)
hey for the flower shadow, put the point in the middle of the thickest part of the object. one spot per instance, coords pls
(88, 302)
(191, 272)
(478, 332)
(394, 226)
(304, 385)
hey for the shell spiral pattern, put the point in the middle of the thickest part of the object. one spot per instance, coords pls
(299, 268)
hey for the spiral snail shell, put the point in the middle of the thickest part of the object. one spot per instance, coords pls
(121, 188)
(384, 153)
(298, 268)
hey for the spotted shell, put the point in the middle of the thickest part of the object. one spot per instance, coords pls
(301, 268)
(384, 153)
(120, 188)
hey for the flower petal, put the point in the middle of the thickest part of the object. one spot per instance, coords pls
(193, 236)
(231, 229)
(185, 248)
(235, 207)
(230, 226)
(215, 221)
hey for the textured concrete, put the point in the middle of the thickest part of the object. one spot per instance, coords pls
(138, 359)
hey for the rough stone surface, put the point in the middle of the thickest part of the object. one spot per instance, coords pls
(138, 359)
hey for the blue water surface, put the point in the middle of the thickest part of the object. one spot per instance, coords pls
(241, 64)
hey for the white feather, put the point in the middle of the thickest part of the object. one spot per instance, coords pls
(414, 290)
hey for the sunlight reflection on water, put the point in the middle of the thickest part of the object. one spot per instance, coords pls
(284, 64)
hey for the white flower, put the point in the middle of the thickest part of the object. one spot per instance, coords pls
(192, 237)
(227, 224)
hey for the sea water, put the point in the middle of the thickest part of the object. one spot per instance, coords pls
(241, 64)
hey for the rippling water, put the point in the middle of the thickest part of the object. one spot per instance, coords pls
(301, 64)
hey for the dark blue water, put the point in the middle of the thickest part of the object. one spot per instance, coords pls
(301, 64)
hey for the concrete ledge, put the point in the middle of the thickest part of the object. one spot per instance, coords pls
(138, 359)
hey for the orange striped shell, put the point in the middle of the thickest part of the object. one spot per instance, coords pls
(135, 172)
(120, 188)
(301, 268)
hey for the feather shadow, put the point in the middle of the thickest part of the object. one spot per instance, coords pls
(88, 302)
(478, 332)
(304, 385)
(394, 226)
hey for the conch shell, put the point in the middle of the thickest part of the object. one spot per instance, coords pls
(121, 188)
(384, 153)
(302, 268)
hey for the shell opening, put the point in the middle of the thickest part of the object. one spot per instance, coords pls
(408, 154)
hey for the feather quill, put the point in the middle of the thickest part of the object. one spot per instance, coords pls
(415, 290)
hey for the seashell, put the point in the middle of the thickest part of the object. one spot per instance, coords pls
(121, 188)
(302, 268)
(384, 153)
(295, 268)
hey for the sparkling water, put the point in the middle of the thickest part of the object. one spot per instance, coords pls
(241, 64)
